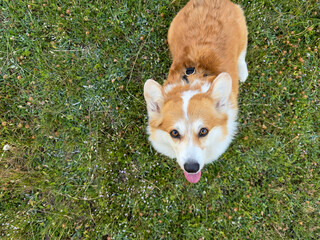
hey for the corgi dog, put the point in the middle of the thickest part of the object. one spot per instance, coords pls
(192, 117)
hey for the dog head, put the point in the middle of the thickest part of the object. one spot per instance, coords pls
(193, 123)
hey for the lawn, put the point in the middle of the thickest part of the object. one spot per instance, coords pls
(75, 161)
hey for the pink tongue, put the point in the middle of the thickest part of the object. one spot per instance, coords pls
(192, 177)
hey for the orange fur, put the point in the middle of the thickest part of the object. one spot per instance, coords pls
(208, 35)
(211, 36)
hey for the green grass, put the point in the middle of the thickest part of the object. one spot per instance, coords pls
(72, 111)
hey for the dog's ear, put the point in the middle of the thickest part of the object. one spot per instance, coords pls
(153, 94)
(221, 90)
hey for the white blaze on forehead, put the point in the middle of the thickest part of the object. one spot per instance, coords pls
(180, 126)
(186, 96)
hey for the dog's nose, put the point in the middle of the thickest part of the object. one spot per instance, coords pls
(191, 167)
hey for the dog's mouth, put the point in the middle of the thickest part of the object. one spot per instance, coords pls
(192, 177)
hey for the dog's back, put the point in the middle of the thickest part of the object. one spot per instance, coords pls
(209, 35)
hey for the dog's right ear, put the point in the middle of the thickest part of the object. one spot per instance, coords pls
(153, 94)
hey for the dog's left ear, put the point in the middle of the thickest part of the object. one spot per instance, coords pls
(153, 94)
(221, 90)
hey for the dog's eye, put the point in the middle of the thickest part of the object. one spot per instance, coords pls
(203, 132)
(205, 75)
(175, 134)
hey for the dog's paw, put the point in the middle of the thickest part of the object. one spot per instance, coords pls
(243, 72)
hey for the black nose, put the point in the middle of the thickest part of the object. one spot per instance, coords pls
(191, 167)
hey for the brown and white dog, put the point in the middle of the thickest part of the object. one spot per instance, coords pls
(192, 117)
